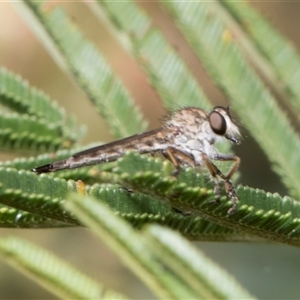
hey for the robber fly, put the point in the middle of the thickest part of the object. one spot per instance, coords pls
(187, 137)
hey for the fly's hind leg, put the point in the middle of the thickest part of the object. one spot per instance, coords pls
(214, 171)
(229, 187)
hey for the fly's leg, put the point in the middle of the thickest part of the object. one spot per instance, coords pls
(229, 187)
(176, 157)
(214, 171)
(174, 161)
(225, 157)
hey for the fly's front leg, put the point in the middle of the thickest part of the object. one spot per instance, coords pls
(174, 161)
(176, 157)
(229, 187)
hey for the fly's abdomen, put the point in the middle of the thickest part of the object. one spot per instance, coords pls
(150, 141)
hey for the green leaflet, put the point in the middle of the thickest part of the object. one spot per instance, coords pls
(204, 276)
(166, 269)
(282, 56)
(132, 248)
(166, 71)
(35, 194)
(22, 132)
(57, 276)
(14, 218)
(91, 72)
(41, 196)
(20, 97)
(252, 101)
(262, 214)
(140, 209)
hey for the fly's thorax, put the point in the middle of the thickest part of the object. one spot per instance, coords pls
(196, 142)
(192, 131)
(190, 118)
(187, 124)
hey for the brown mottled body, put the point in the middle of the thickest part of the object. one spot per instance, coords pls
(187, 137)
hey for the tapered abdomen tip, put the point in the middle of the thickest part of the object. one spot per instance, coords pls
(43, 169)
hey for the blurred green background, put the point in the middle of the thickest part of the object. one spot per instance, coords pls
(268, 271)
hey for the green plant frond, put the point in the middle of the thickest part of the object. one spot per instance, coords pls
(132, 247)
(192, 227)
(166, 71)
(281, 54)
(262, 214)
(23, 132)
(14, 218)
(40, 195)
(197, 270)
(51, 272)
(251, 99)
(20, 97)
(128, 202)
(91, 72)
(140, 209)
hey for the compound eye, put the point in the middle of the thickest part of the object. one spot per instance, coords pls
(217, 123)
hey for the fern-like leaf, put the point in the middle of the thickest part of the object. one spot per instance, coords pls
(40, 197)
(263, 214)
(21, 132)
(20, 97)
(204, 276)
(166, 71)
(57, 276)
(36, 194)
(15, 218)
(17, 95)
(282, 56)
(151, 258)
(90, 71)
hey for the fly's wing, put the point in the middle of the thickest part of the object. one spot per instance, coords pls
(147, 142)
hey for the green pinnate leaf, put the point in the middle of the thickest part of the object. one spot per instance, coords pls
(91, 71)
(17, 95)
(57, 276)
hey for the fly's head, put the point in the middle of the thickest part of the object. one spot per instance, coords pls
(222, 125)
